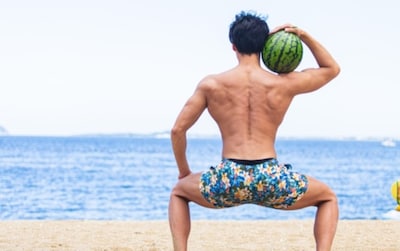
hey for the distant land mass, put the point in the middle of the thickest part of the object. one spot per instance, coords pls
(3, 131)
(166, 135)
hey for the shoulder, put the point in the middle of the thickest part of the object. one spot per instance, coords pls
(210, 82)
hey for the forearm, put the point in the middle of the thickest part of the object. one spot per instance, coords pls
(179, 142)
(322, 56)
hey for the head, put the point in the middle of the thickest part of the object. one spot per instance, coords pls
(248, 33)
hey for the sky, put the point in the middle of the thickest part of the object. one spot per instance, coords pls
(87, 66)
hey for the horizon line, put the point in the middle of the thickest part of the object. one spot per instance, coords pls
(166, 134)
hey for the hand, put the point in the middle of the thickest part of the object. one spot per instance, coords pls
(183, 175)
(288, 28)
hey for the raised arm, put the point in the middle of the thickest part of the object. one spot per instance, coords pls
(311, 79)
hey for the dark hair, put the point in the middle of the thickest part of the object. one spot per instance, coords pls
(248, 32)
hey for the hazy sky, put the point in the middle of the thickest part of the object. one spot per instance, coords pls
(86, 66)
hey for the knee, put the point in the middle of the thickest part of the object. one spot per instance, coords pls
(177, 190)
(330, 196)
(333, 197)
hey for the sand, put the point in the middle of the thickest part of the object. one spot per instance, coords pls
(362, 235)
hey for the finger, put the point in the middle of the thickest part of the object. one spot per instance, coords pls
(281, 27)
(293, 29)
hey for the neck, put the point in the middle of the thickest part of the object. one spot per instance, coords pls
(252, 59)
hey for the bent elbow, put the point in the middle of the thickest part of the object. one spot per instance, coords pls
(336, 70)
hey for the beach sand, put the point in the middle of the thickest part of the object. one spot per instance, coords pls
(362, 235)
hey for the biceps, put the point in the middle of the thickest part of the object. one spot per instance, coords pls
(311, 80)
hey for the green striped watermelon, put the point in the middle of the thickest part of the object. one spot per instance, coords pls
(282, 52)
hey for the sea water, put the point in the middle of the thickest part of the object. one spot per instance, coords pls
(130, 178)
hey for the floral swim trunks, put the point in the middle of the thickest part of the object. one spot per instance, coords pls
(264, 182)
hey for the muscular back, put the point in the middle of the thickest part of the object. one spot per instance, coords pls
(248, 105)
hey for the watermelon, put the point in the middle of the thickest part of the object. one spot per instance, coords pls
(282, 52)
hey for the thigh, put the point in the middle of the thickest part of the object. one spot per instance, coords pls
(316, 193)
(189, 189)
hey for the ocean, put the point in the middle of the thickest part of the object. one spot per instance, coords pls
(130, 178)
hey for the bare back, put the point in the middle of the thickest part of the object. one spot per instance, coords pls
(248, 105)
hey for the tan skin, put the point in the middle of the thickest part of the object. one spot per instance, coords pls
(248, 104)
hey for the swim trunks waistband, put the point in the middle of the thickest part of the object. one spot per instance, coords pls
(250, 162)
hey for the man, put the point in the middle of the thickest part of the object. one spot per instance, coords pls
(248, 104)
